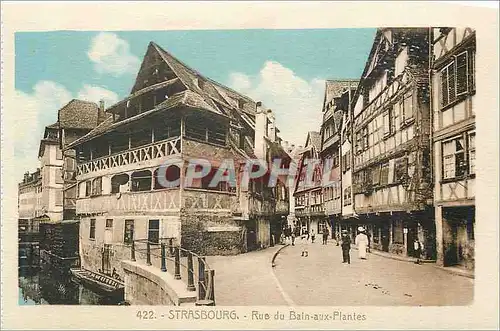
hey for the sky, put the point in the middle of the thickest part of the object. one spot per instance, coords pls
(285, 69)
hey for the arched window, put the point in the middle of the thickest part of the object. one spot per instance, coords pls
(141, 181)
(172, 173)
(118, 181)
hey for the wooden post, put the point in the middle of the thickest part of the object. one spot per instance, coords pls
(148, 253)
(177, 273)
(171, 246)
(212, 286)
(132, 251)
(163, 258)
(210, 300)
(190, 285)
(201, 278)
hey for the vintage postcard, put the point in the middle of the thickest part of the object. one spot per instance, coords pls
(249, 165)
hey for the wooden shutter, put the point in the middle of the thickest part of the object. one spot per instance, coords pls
(461, 73)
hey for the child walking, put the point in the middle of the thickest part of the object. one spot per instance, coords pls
(304, 242)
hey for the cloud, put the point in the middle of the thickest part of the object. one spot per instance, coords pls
(39, 109)
(97, 93)
(295, 101)
(110, 54)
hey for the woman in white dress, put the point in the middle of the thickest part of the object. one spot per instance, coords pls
(305, 242)
(362, 242)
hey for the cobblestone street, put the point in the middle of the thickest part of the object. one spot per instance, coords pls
(322, 279)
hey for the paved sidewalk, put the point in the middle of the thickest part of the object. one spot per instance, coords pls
(246, 279)
(322, 279)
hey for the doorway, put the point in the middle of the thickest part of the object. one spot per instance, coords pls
(384, 237)
(251, 229)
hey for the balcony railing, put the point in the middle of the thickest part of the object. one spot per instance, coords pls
(154, 201)
(171, 146)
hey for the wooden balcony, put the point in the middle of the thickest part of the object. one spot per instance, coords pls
(156, 150)
(309, 211)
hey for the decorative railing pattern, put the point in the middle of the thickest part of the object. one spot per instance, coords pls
(167, 255)
(158, 201)
(152, 151)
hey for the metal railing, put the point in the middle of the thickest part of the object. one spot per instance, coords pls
(167, 255)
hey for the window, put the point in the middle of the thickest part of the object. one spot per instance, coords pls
(59, 154)
(384, 174)
(119, 183)
(59, 197)
(376, 175)
(472, 153)
(109, 223)
(457, 78)
(388, 122)
(454, 164)
(172, 174)
(59, 176)
(400, 169)
(347, 196)
(88, 188)
(154, 231)
(141, 181)
(365, 141)
(92, 228)
(128, 235)
(97, 186)
(407, 108)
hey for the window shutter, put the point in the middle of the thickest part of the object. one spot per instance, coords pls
(461, 75)
(451, 83)
(444, 87)
(408, 107)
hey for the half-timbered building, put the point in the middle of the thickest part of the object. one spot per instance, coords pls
(453, 92)
(309, 207)
(392, 182)
(174, 114)
(334, 108)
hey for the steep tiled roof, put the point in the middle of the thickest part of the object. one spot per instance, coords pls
(79, 114)
(186, 98)
(315, 139)
(335, 88)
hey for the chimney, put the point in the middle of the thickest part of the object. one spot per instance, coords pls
(271, 129)
(260, 132)
(101, 115)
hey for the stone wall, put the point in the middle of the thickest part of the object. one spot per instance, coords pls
(211, 234)
(148, 285)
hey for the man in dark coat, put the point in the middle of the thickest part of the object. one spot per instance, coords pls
(346, 247)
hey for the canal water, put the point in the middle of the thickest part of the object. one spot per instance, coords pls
(47, 285)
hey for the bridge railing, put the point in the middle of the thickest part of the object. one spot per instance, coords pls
(168, 256)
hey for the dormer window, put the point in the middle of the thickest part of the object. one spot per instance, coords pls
(241, 103)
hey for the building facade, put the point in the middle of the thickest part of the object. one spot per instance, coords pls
(173, 115)
(30, 201)
(391, 179)
(453, 93)
(333, 151)
(309, 207)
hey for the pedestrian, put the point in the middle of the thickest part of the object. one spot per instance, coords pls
(346, 246)
(417, 247)
(313, 236)
(325, 236)
(337, 238)
(292, 234)
(362, 242)
(305, 243)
